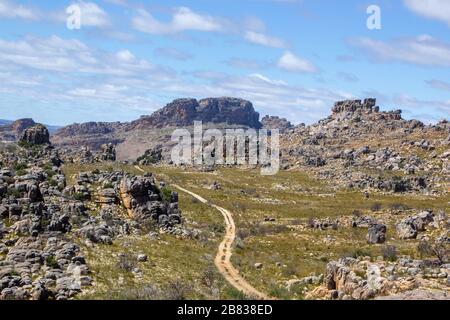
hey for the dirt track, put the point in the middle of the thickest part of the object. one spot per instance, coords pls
(223, 257)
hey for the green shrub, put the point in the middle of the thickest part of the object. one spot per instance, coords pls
(51, 262)
(108, 185)
(376, 207)
(24, 144)
(166, 194)
(127, 262)
(279, 292)
(52, 183)
(356, 253)
(79, 196)
(13, 192)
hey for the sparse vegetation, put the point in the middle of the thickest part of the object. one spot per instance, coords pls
(389, 252)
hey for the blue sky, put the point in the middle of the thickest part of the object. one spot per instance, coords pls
(291, 58)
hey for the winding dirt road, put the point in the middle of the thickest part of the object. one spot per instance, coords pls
(223, 257)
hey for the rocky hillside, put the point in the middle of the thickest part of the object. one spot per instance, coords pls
(359, 145)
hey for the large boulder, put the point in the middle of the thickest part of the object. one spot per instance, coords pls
(108, 152)
(376, 233)
(36, 135)
(143, 200)
(409, 227)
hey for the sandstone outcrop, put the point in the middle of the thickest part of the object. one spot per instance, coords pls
(183, 112)
(36, 135)
(143, 200)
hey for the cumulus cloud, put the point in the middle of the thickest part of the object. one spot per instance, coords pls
(292, 63)
(264, 40)
(9, 9)
(70, 55)
(423, 50)
(183, 19)
(92, 15)
(432, 9)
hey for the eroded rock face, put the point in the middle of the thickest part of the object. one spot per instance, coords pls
(369, 106)
(143, 200)
(36, 135)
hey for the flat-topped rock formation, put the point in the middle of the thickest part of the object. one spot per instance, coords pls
(350, 108)
(274, 122)
(183, 112)
(35, 135)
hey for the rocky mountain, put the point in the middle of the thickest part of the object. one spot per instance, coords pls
(183, 112)
(134, 138)
(13, 130)
(4, 122)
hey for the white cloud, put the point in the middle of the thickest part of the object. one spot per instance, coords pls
(422, 50)
(241, 63)
(419, 107)
(293, 63)
(183, 19)
(172, 53)
(440, 85)
(92, 15)
(70, 56)
(9, 9)
(432, 9)
(125, 55)
(118, 2)
(264, 40)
